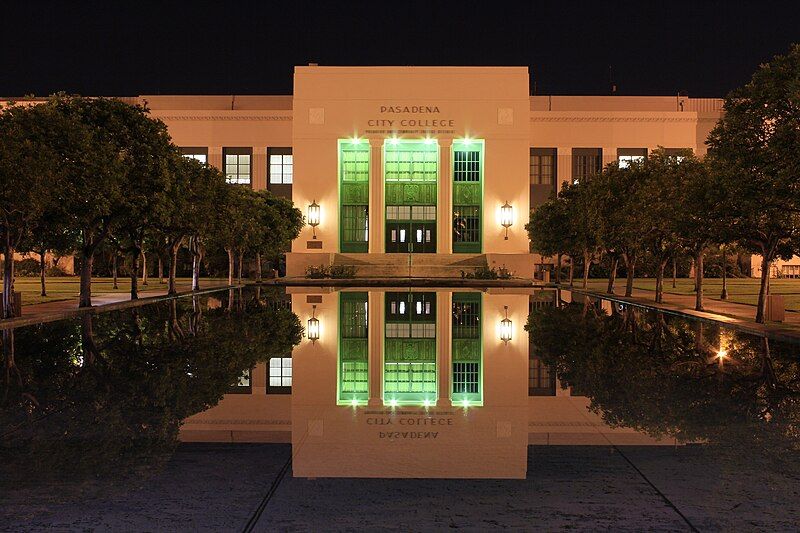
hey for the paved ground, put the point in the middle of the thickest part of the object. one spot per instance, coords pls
(218, 488)
(734, 314)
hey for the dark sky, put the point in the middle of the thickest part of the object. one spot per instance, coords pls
(225, 47)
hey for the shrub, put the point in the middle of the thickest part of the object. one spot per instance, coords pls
(335, 272)
(488, 273)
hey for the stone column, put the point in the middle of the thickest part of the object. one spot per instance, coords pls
(444, 210)
(375, 317)
(444, 349)
(376, 210)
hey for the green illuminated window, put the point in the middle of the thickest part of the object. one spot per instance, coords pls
(353, 347)
(354, 196)
(411, 161)
(467, 195)
(467, 353)
(410, 347)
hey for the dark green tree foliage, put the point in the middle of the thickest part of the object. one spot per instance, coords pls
(279, 223)
(660, 375)
(28, 181)
(106, 394)
(550, 232)
(755, 149)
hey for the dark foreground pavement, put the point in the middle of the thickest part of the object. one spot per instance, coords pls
(213, 487)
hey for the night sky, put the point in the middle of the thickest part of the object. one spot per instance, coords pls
(109, 48)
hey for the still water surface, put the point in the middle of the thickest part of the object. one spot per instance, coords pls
(104, 396)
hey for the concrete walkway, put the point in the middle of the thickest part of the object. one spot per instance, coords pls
(736, 315)
(61, 309)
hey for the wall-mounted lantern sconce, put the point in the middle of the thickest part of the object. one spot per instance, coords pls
(506, 217)
(313, 218)
(505, 328)
(312, 332)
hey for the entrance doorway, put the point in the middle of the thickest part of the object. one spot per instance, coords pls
(411, 229)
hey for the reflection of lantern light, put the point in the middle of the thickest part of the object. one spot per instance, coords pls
(505, 328)
(506, 217)
(313, 326)
(313, 218)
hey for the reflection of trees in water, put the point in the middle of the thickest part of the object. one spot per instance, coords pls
(92, 395)
(668, 376)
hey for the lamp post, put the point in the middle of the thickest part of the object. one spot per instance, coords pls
(313, 218)
(506, 217)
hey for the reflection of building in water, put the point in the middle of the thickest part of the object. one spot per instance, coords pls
(409, 383)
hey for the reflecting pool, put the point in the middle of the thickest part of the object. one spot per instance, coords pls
(387, 383)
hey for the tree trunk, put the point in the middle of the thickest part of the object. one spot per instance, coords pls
(144, 268)
(558, 268)
(571, 270)
(693, 273)
(134, 274)
(160, 270)
(87, 261)
(173, 268)
(587, 263)
(8, 279)
(698, 281)
(197, 258)
(114, 269)
(239, 268)
(660, 281)
(258, 267)
(42, 271)
(762, 290)
(230, 265)
(630, 265)
(724, 294)
(612, 274)
(674, 272)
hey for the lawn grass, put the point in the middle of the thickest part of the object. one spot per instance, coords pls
(740, 290)
(68, 288)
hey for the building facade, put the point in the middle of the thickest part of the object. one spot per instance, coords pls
(441, 164)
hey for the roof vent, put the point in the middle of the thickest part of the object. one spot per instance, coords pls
(313, 64)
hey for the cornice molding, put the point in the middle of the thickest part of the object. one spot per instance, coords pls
(235, 118)
(248, 422)
(613, 119)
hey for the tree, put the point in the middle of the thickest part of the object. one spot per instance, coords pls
(549, 231)
(236, 226)
(618, 217)
(279, 223)
(658, 195)
(28, 181)
(91, 165)
(755, 150)
(49, 233)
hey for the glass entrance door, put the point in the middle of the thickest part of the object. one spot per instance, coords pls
(411, 229)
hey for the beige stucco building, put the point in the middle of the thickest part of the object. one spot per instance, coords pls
(421, 160)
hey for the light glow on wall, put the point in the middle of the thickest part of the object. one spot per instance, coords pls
(506, 328)
(506, 217)
(314, 329)
(314, 215)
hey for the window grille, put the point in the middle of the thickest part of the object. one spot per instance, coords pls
(355, 223)
(465, 378)
(355, 163)
(414, 162)
(541, 382)
(355, 377)
(466, 165)
(281, 166)
(410, 377)
(279, 378)
(542, 169)
(586, 162)
(466, 319)
(237, 165)
(466, 224)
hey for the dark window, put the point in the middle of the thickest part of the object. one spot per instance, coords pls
(541, 382)
(466, 377)
(355, 224)
(199, 153)
(280, 166)
(543, 166)
(466, 224)
(626, 156)
(586, 162)
(236, 165)
(467, 319)
(243, 385)
(466, 165)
